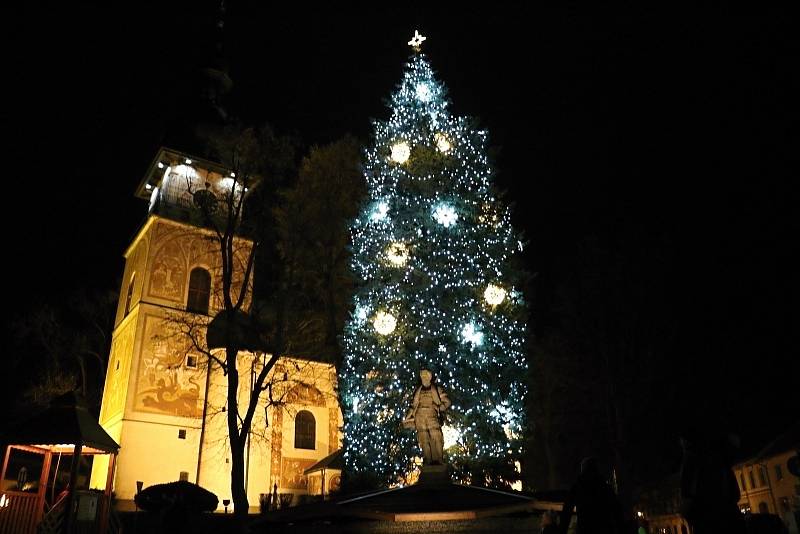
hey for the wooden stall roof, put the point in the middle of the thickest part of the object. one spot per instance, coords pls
(335, 460)
(64, 424)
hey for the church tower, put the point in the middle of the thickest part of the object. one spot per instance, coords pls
(163, 401)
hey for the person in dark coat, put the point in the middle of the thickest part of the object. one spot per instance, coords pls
(596, 504)
(709, 492)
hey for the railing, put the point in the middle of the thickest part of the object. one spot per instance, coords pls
(18, 512)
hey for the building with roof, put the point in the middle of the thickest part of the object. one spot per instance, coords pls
(766, 481)
(164, 401)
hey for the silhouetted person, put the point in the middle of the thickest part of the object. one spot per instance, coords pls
(709, 492)
(597, 506)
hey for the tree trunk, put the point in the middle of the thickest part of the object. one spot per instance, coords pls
(237, 438)
(238, 491)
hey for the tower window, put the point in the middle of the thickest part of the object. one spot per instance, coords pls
(199, 291)
(191, 362)
(129, 296)
(305, 430)
(181, 434)
(762, 475)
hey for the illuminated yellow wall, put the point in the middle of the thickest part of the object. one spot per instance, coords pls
(153, 401)
(769, 490)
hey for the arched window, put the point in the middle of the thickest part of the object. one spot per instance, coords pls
(305, 430)
(129, 296)
(763, 508)
(199, 291)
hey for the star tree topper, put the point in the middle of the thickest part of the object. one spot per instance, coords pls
(416, 41)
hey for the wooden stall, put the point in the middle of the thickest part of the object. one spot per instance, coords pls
(66, 428)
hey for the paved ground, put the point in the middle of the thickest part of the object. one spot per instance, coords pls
(494, 525)
(143, 523)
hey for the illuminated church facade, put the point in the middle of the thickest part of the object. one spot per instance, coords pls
(163, 401)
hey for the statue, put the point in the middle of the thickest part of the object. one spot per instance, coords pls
(430, 401)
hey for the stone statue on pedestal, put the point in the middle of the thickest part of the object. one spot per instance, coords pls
(430, 401)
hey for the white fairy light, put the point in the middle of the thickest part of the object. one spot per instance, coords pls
(384, 323)
(494, 295)
(472, 335)
(360, 313)
(451, 436)
(400, 152)
(397, 254)
(380, 212)
(423, 92)
(442, 144)
(445, 215)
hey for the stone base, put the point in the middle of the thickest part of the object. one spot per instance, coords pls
(434, 475)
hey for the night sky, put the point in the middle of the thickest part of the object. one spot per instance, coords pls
(683, 125)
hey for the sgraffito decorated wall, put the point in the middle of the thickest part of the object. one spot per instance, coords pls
(164, 383)
(155, 394)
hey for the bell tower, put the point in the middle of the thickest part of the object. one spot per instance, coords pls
(158, 387)
(164, 402)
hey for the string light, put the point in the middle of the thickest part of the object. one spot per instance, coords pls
(445, 215)
(384, 323)
(423, 92)
(400, 152)
(463, 245)
(494, 295)
(397, 254)
(380, 212)
(442, 143)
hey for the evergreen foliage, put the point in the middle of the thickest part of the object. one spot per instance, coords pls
(430, 240)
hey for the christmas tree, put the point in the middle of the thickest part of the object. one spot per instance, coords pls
(433, 251)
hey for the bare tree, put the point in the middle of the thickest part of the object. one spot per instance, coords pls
(259, 342)
(68, 341)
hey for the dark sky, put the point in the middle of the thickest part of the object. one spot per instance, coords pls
(682, 123)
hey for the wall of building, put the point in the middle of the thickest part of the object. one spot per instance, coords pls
(769, 490)
(155, 400)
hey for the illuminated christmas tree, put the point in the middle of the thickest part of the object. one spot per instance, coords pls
(433, 253)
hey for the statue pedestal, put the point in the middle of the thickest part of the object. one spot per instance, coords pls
(434, 475)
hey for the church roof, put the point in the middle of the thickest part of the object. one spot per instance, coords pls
(65, 422)
(786, 442)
